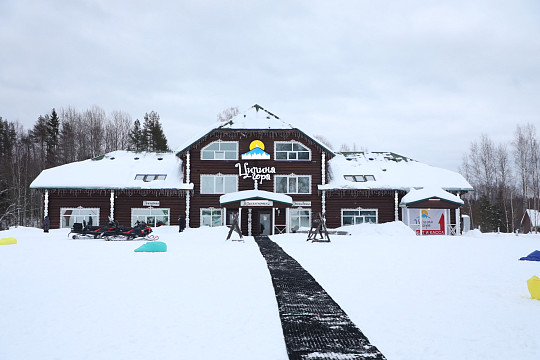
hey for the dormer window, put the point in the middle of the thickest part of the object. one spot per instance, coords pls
(150, 177)
(291, 150)
(220, 150)
(359, 178)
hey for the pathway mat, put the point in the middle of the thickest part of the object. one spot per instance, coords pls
(314, 325)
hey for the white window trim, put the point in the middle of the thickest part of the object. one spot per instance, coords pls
(148, 208)
(79, 208)
(223, 214)
(221, 142)
(290, 215)
(290, 142)
(216, 175)
(360, 209)
(288, 177)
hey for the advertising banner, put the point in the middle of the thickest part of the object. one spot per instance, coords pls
(428, 221)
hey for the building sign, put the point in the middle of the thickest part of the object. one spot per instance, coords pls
(256, 151)
(427, 221)
(150, 203)
(301, 204)
(253, 203)
(255, 172)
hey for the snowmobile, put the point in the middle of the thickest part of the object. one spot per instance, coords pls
(82, 230)
(141, 231)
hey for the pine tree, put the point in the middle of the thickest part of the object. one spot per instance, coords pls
(38, 135)
(137, 141)
(53, 130)
(153, 133)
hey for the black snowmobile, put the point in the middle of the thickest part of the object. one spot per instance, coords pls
(141, 231)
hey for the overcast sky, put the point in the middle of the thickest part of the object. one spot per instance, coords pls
(419, 78)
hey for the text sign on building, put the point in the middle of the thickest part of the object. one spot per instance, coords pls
(150, 203)
(252, 203)
(301, 204)
(255, 172)
(429, 221)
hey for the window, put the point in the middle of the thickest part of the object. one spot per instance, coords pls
(150, 177)
(359, 178)
(151, 216)
(70, 216)
(220, 150)
(219, 184)
(291, 151)
(292, 184)
(299, 218)
(211, 217)
(358, 216)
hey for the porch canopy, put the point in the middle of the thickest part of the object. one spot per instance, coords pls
(428, 197)
(256, 198)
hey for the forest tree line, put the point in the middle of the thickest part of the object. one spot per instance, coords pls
(506, 180)
(58, 138)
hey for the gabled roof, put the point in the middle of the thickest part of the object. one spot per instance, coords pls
(116, 170)
(414, 196)
(391, 172)
(255, 118)
(534, 216)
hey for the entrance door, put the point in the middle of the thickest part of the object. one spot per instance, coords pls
(265, 223)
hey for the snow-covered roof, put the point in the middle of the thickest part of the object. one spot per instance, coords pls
(255, 118)
(255, 195)
(117, 170)
(389, 171)
(414, 196)
(534, 215)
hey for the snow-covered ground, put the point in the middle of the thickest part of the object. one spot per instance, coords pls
(432, 297)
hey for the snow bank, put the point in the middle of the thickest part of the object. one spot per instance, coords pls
(421, 298)
(395, 228)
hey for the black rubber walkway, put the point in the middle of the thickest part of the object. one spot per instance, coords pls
(314, 326)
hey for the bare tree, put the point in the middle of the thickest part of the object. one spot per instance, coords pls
(94, 121)
(521, 159)
(117, 131)
(228, 114)
(324, 140)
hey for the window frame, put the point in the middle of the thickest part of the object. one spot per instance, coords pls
(134, 217)
(299, 216)
(292, 142)
(220, 142)
(359, 178)
(150, 177)
(292, 176)
(360, 215)
(215, 176)
(211, 209)
(62, 216)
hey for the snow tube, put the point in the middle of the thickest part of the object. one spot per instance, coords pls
(8, 241)
(534, 287)
(152, 246)
(534, 256)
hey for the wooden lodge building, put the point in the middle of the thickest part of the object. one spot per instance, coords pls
(274, 176)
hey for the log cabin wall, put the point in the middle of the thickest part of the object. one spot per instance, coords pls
(59, 199)
(381, 200)
(127, 200)
(198, 167)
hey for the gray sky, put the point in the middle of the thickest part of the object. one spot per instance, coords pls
(419, 78)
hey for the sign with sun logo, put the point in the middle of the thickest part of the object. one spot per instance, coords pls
(256, 151)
